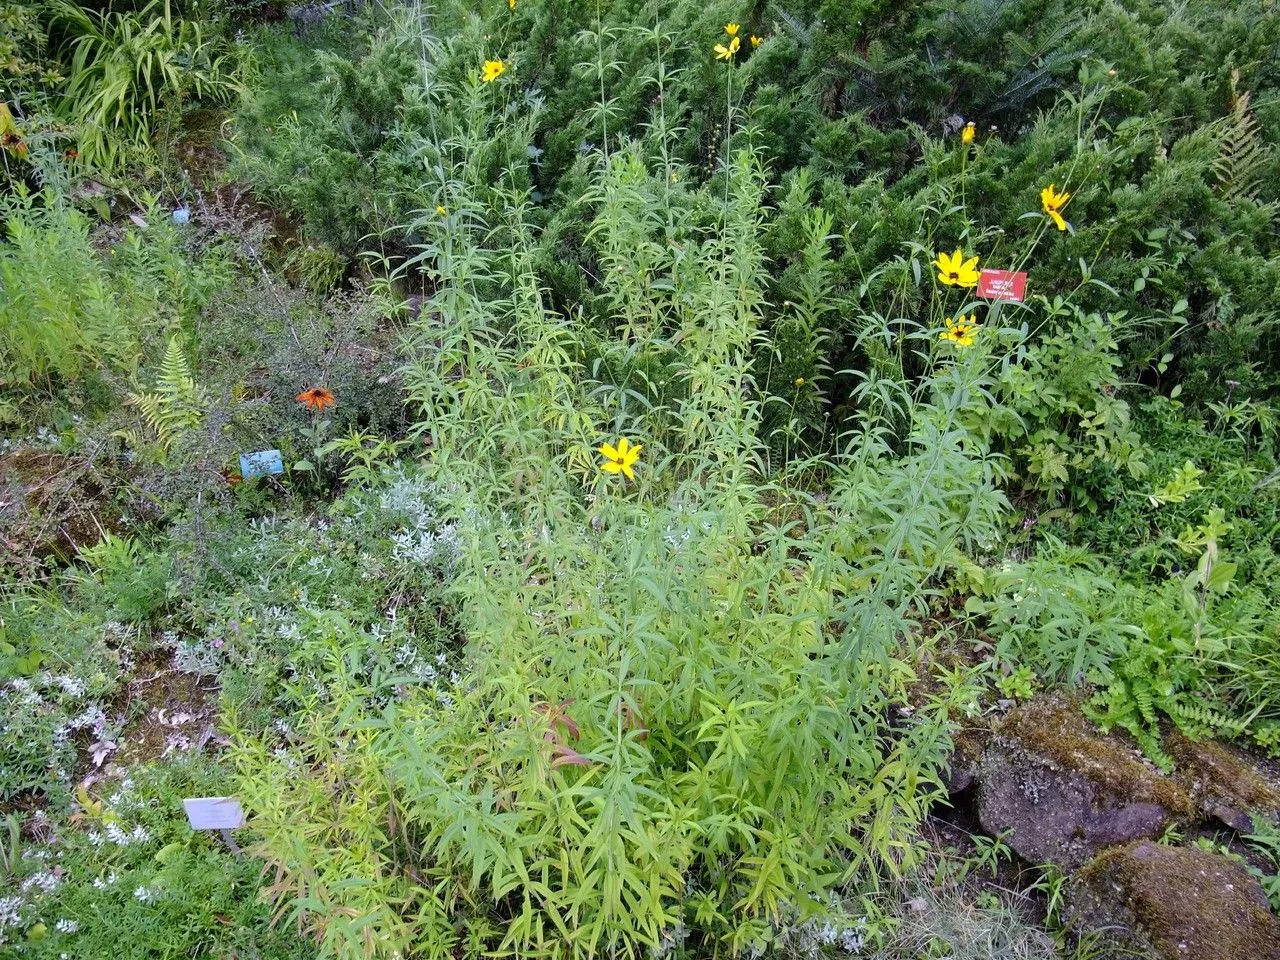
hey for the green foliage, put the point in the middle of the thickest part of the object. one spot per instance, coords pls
(58, 315)
(367, 456)
(1065, 393)
(503, 696)
(659, 725)
(134, 881)
(54, 682)
(33, 754)
(176, 406)
(1159, 234)
(1265, 840)
(123, 66)
(1188, 636)
(128, 581)
(22, 47)
(1056, 613)
(77, 312)
(1019, 684)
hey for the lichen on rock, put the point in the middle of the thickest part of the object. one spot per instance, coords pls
(1063, 792)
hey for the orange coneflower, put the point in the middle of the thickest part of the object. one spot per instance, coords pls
(316, 399)
(13, 144)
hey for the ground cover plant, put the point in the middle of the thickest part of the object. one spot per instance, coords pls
(561, 468)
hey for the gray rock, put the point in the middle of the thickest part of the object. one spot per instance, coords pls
(1061, 792)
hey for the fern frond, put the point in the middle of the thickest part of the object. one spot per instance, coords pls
(175, 406)
(802, 32)
(151, 408)
(1242, 153)
(1200, 719)
(182, 396)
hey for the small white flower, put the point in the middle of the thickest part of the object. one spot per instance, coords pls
(66, 926)
(143, 895)
(43, 881)
(10, 908)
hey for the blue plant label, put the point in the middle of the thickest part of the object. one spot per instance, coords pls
(264, 463)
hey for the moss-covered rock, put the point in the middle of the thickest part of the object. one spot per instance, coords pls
(1175, 902)
(1227, 784)
(1062, 792)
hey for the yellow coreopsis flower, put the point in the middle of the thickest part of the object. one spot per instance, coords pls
(961, 331)
(620, 459)
(493, 69)
(442, 211)
(1053, 202)
(955, 271)
(731, 29)
(727, 53)
(968, 133)
(511, 4)
(756, 41)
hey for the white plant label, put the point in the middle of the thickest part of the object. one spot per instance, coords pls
(214, 813)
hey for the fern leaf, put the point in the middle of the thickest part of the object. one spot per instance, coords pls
(175, 406)
(1242, 153)
(803, 33)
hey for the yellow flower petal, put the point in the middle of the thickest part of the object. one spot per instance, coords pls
(611, 466)
(610, 451)
(623, 445)
(731, 29)
(955, 271)
(626, 469)
(1052, 202)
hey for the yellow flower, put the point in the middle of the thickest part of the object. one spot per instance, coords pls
(511, 4)
(620, 459)
(442, 211)
(726, 53)
(493, 69)
(955, 271)
(1053, 202)
(731, 29)
(756, 41)
(968, 133)
(962, 331)
(799, 381)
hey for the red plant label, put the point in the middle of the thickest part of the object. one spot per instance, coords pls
(1002, 285)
